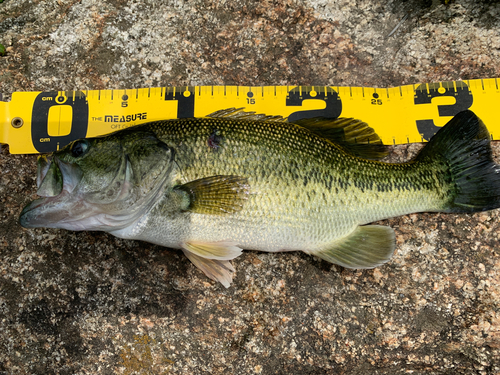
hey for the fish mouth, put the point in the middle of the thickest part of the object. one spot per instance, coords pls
(56, 181)
(65, 203)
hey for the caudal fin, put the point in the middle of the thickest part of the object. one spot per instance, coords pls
(463, 145)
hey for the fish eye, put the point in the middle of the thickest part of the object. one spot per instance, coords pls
(79, 148)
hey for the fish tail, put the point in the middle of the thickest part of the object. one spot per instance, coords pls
(462, 150)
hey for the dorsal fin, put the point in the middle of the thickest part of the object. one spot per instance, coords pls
(238, 113)
(355, 136)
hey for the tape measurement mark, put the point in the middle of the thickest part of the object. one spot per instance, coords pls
(420, 112)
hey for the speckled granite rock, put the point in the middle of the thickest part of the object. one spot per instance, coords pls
(87, 303)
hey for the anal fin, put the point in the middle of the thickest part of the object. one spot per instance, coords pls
(366, 247)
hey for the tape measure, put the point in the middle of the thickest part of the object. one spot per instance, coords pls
(39, 122)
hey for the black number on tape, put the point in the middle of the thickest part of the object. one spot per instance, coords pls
(333, 103)
(185, 101)
(45, 142)
(463, 101)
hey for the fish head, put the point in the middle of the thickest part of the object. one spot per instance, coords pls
(104, 183)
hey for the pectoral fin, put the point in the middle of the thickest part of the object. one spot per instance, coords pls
(367, 247)
(215, 195)
(217, 270)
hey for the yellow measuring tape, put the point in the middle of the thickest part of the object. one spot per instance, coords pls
(38, 122)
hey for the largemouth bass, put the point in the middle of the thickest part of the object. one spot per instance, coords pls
(217, 185)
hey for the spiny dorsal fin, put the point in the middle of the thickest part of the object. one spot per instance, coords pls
(355, 136)
(238, 113)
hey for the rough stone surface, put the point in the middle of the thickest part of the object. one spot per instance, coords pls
(88, 303)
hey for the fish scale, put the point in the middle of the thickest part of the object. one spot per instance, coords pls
(293, 183)
(214, 186)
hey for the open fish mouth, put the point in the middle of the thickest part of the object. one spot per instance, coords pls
(55, 176)
(56, 181)
(68, 200)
